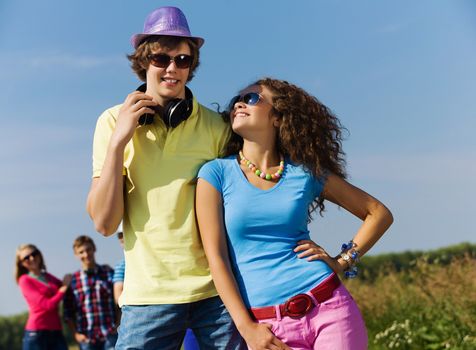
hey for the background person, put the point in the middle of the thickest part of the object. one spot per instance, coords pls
(119, 268)
(43, 293)
(89, 308)
(253, 207)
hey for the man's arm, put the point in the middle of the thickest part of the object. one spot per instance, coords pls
(69, 315)
(118, 287)
(105, 203)
(79, 337)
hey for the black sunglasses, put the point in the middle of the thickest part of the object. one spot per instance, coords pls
(250, 98)
(163, 60)
(33, 254)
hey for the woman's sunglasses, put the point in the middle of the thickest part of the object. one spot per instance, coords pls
(251, 99)
(163, 60)
(33, 254)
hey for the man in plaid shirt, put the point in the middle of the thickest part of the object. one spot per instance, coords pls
(89, 308)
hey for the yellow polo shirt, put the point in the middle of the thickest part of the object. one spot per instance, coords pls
(165, 261)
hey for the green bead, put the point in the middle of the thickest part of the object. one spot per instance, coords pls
(258, 172)
(248, 162)
(268, 177)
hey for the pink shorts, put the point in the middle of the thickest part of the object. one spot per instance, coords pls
(335, 324)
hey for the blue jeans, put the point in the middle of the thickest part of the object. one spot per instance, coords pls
(107, 344)
(44, 340)
(151, 327)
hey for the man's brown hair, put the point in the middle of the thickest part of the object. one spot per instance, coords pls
(82, 240)
(140, 57)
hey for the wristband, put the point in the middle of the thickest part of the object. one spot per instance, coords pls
(350, 254)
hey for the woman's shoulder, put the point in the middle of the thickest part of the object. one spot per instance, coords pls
(300, 171)
(216, 171)
(24, 279)
(294, 167)
(224, 162)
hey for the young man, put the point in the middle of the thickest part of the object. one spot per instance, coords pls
(89, 308)
(146, 156)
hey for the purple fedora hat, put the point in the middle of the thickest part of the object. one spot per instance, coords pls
(167, 20)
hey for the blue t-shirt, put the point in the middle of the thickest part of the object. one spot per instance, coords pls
(119, 271)
(263, 227)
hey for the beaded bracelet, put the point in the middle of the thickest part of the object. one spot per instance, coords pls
(350, 255)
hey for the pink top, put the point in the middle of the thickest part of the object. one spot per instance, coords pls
(43, 300)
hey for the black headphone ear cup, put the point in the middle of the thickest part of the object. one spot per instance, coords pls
(178, 113)
(170, 113)
(177, 110)
(147, 118)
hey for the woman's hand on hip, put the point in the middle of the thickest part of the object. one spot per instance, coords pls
(311, 251)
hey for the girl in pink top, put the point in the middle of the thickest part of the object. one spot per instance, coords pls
(43, 293)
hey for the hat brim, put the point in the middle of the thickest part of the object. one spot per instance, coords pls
(137, 39)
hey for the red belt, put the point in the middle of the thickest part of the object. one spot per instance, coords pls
(299, 305)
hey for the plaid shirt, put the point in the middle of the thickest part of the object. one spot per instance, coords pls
(89, 303)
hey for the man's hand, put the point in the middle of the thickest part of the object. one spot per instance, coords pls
(81, 338)
(258, 336)
(136, 104)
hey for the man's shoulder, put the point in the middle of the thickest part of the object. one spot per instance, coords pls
(105, 268)
(75, 279)
(111, 113)
(209, 114)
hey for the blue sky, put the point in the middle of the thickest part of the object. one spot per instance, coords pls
(400, 75)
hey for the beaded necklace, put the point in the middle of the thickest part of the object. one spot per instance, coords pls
(262, 174)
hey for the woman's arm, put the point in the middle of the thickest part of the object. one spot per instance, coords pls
(375, 216)
(36, 299)
(209, 209)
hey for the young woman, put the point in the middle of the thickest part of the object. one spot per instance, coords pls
(43, 293)
(283, 161)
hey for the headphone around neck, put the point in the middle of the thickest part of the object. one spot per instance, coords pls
(173, 113)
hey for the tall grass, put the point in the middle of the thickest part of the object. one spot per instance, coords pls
(410, 301)
(430, 306)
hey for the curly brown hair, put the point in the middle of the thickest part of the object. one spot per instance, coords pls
(140, 61)
(309, 133)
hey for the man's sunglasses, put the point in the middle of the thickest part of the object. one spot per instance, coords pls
(163, 60)
(251, 99)
(33, 254)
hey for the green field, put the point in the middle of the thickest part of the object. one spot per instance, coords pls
(410, 300)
